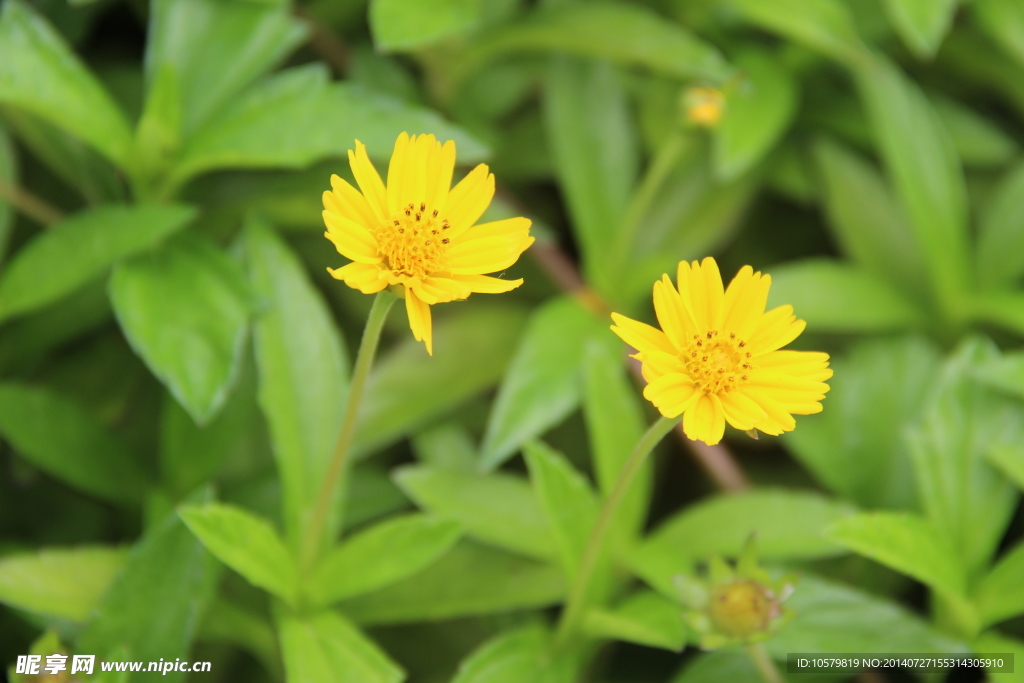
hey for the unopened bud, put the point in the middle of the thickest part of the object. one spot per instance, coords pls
(742, 609)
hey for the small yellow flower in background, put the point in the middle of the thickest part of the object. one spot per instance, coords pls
(704, 106)
(716, 357)
(418, 231)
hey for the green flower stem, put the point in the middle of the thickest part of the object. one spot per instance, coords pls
(765, 666)
(573, 612)
(339, 460)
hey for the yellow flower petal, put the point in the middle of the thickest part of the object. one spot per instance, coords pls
(641, 336)
(744, 302)
(706, 294)
(397, 173)
(369, 182)
(672, 394)
(740, 410)
(362, 276)
(704, 420)
(437, 290)
(346, 201)
(469, 199)
(352, 240)
(672, 315)
(419, 319)
(439, 174)
(484, 284)
(777, 328)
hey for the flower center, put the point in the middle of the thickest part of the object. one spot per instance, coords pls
(717, 362)
(413, 241)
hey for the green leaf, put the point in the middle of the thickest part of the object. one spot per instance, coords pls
(615, 423)
(690, 215)
(41, 75)
(822, 25)
(283, 121)
(541, 386)
(865, 218)
(978, 140)
(832, 296)
(585, 102)
(227, 622)
(855, 447)
(370, 494)
(832, 617)
(154, 604)
(158, 133)
(472, 348)
(65, 583)
(245, 543)
(1000, 254)
(1010, 461)
(381, 555)
(185, 311)
(326, 648)
(67, 441)
(1002, 308)
(720, 666)
(233, 443)
(446, 446)
(644, 618)
(1003, 21)
(469, 580)
(925, 169)
(78, 249)
(909, 544)
(497, 508)
(968, 501)
(1000, 593)
(217, 48)
(788, 524)
(620, 32)
(1004, 372)
(516, 656)
(303, 372)
(404, 25)
(756, 115)
(567, 500)
(922, 24)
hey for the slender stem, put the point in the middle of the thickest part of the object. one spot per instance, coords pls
(333, 478)
(29, 204)
(573, 613)
(765, 666)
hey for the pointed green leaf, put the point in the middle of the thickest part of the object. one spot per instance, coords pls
(78, 249)
(497, 508)
(926, 171)
(620, 32)
(584, 102)
(1010, 461)
(568, 502)
(541, 386)
(907, 543)
(855, 447)
(615, 423)
(516, 656)
(922, 24)
(969, 502)
(185, 311)
(469, 580)
(822, 25)
(756, 115)
(1000, 593)
(324, 647)
(381, 555)
(67, 441)
(865, 218)
(1003, 21)
(447, 446)
(40, 74)
(1000, 255)
(644, 618)
(978, 139)
(302, 367)
(403, 25)
(153, 607)
(65, 583)
(832, 617)
(405, 392)
(993, 641)
(216, 49)
(246, 543)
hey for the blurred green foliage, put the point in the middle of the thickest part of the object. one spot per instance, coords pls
(174, 359)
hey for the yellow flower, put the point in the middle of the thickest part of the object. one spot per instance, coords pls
(704, 106)
(717, 358)
(418, 231)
